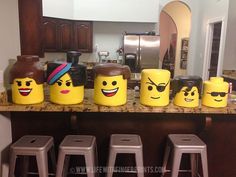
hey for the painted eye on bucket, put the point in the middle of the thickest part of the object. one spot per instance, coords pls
(185, 93)
(150, 87)
(104, 83)
(27, 83)
(114, 83)
(18, 83)
(192, 93)
(68, 84)
(59, 83)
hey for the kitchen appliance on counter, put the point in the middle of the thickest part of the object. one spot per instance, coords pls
(103, 56)
(141, 51)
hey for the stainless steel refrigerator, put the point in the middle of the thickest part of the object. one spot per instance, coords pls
(141, 51)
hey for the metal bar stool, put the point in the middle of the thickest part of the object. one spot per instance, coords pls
(125, 143)
(33, 145)
(77, 145)
(179, 144)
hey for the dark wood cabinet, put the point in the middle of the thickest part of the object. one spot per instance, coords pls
(61, 35)
(30, 20)
(84, 36)
(50, 34)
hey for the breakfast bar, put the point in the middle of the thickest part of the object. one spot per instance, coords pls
(215, 126)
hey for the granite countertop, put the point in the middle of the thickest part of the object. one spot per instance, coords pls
(132, 105)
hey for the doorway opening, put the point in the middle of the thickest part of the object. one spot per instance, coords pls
(213, 51)
(175, 26)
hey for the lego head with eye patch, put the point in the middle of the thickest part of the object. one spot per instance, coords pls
(26, 79)
(155, 87)
(66, 83)
(187, 90)
(215, 92)
(110, 84)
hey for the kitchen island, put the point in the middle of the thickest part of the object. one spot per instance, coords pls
(216, 127)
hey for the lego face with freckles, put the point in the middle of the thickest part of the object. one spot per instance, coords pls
(187, 97)
(63, 91)
(155, 87)
(27, 91)
(110, 90)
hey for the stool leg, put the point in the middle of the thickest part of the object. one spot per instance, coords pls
(111, 163)
(176, 163)
(53, 158)
(25, 166)
(60, 163)
(204, 163)
(66, 166)
(42, 161)
(194, 164)
(90, 161)
(139, 163)
(12, 164)
(165, 160)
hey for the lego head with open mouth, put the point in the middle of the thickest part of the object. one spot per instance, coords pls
(187, 90)
(27, 81)
(66, 83)
(215, 92)
(110, 84)
(155, 87)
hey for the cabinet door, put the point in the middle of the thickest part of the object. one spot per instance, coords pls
(83, 36)
(65, 34)
(50, 34)
(30, 19)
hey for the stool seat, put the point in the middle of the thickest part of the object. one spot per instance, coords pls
(78, 142)
(128, 144)
(125, 141)
(179, 144)
(33, 145)
(189, 141)
(77, 145)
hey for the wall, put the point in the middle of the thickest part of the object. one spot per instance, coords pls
(58, 8)
(103, 10)
(9, 48)
(230, 49)
(211, 10)
(181, 15)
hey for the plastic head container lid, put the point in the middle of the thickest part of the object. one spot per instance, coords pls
(217, 79)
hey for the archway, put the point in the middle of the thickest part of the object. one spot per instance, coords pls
(174, 43)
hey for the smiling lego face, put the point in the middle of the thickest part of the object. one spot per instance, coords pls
(186, 97)
(110, 90)
(155, 87)
(26, 91)
(63, 91)
(215, 94)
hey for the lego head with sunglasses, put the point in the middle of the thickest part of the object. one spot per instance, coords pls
(187, 90)
(110, 84)
(155, 87)
(66, 83)
(215, 92)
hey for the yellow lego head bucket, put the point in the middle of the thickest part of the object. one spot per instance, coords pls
(215, 92)
(155, 87)
(66, 82)
(26, 79)
(110, 84)
(187, 90)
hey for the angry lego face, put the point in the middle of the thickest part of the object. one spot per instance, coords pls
(187, 97)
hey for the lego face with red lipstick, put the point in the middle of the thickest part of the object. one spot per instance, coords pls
(64, 92)
(26, 91)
